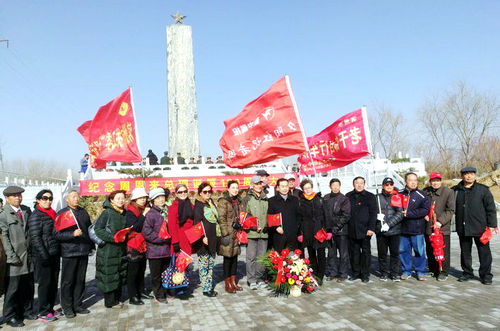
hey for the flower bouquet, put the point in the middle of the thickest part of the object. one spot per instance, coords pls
(291, 275)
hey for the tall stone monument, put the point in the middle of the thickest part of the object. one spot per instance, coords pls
(181, 92)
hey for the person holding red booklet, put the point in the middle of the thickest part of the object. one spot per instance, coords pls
(475, 211)
(313, 237)
(228, 207)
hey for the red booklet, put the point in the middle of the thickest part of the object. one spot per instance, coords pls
(274, 220)
(321, 235)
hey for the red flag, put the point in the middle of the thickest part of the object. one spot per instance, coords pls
(486, 236)
(321, 235)
(64, 220)
(136, 241)
(343, 142)
(243, 216)
(396, 201)
(112, 134)
(268, 128)
(163, 233)
(120, 235)
(274, 220)
(405, 200)
(250, 222)
(242, 237)
(195, 233)
(182, 260)
(431, 210)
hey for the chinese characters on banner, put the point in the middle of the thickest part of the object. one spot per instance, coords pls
(219, 183)
(268, 128)
(112, 135)
(343, 142)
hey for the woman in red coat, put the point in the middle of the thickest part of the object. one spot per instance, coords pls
(180, 218)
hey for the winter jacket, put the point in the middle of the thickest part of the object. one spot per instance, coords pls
(256, 206)
(157, 248)
(210, 230)
(72, 246)
(444, 208)
(291, 218)
(475, 209)
(229, 213)
(42, 235)
(363, 213)
(111, 260)
(135, 219)
(418, 207)
(393, 216)
(16, 241)
(176, 230)
(337, 209)
(313, 220)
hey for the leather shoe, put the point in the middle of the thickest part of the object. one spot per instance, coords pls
(135, 301)
(464, 278)
(15, 323)
(210, 294)
(30, 317)
(486, 281)
(146, 296)
(69, 314)
(82, 311)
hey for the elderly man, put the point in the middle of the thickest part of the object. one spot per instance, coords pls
(444, 200)
(475, 211)
(18, 301)
(292, 190)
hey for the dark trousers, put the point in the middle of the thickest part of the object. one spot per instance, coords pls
(317, 257)
(431, 261)
(156, 267)
(360, 254)
(74, 270)
(280, 242)
(391, 244)
(135, 277)
(18, 300)
(112, 298)
(47, 277)
(229, 265)
(338, 266)
(484, 253)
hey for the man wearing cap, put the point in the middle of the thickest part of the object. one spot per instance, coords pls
(255, 204)
(165, 159)
(444, 200)
(263, 174)
(292, 190)
(474, 211)
(18, 301)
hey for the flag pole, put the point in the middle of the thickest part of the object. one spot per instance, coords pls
(296, 109)
(135, 128)
(370, 147)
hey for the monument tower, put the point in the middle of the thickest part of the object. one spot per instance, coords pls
(181, 92)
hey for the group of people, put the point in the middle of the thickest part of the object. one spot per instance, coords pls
(179, 159)
(32, 241)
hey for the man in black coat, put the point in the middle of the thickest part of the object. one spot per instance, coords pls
(474, 212)
(284, 236)
(337, 209)
(361, 229)
(75, 249)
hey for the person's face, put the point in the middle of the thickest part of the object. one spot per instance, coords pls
(182, 193)
(469, 177)
(159, 201)
(73, 199)
(291, 183)
(436, 183)
(141, 201)
(283, 187)
(335, 187)
(119, 200)
(388, 187)
(359, 185)
(264, 179)
(233, 189)
(46, 200)
(308, 189)
(86, 157)
(258, 187)
(412, 182)
(15, 199)
(206, 193)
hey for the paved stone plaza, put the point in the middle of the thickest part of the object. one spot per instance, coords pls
(377, 305)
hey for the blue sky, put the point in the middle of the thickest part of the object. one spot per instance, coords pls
(67, 58)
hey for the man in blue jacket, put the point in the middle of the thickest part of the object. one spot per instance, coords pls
(416, 206)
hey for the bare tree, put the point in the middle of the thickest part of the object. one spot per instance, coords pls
(487, 153)
(387, 131)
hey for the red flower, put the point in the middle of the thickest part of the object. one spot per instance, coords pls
(289, 261)
(285, 252)
(309, 288)
(295, 277)
(306, 261)
(287, 269)
(273, 254)
(276, 260)
(283, 279)
(297, 252)
(275, 267)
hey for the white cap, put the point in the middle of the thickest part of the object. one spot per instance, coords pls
(289, 176)
(138, 192)
(156, 192)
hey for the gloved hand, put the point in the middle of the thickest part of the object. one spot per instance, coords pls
(237, 226)
(329, 236)
(265, 230)
(380, 217)
(300, 238)
(385, 227)
(177, 248)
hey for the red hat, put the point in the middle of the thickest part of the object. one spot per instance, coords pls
(435, 175)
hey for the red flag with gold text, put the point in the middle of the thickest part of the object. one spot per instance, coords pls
(268, 128)
(112, 134)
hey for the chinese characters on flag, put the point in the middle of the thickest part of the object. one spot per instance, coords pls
(343, 142)
(268, 128)
(112, 135)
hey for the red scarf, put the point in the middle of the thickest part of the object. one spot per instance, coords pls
(133, 210)
(51, 212)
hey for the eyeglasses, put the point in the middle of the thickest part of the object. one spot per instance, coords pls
(207, 192)
(182, 192)
(389, 184)
(45, 198)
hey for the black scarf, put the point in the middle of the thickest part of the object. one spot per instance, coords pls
(185, 211)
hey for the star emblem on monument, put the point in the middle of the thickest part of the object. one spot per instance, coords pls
(178, 18)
